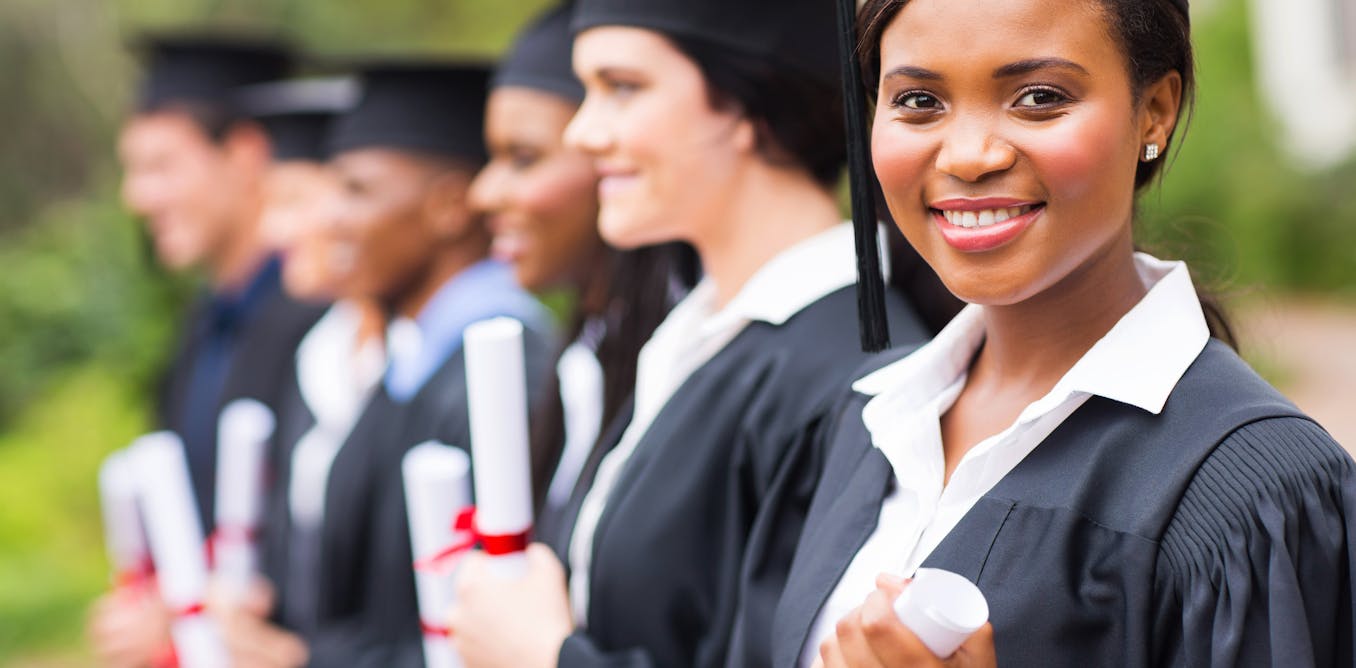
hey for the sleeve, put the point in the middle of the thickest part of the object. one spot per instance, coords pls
(1256, 566)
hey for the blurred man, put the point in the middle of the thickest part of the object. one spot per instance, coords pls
(194, 169)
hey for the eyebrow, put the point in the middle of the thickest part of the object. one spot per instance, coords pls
(1010, 70)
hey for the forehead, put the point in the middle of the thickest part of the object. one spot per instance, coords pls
(517, 110)
(162, 130)
(942, 34)
(621, 47)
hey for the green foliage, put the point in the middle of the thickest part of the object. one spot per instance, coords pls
(1231, 203)
(51, 552)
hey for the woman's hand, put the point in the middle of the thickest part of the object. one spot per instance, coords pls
(872, 636)
(129, 628)
(503, 623)
(251, 641)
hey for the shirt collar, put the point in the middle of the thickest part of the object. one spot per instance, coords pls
(1138, 362)
(419, 347)
(797, 277)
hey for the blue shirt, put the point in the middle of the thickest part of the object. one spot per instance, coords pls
(420, 347)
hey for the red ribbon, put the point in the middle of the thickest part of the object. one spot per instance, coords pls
(237, 533)
(140, 575)
(190, 610)
(467, 537)
(434, 630)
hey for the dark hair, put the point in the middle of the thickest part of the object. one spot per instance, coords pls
(214, 120)
(1155, 36)
(638, 288)
(798, 117)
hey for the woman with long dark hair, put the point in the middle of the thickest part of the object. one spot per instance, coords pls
(541, 199)
(1081, 441)
(716, 123)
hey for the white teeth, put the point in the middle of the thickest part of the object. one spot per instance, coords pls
(984, 218)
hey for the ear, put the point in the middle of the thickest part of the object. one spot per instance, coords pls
(247, 145)
(447, 207)
(1161, 102)
(745, 135)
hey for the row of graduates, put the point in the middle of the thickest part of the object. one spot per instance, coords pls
(723, 477)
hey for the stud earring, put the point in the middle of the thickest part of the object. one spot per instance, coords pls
(1151, 153)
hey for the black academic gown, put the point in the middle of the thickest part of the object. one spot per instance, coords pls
(364, 611)
(1218, 533)
(249, 348)
(670, 569)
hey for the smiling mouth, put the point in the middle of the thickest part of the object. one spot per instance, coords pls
(985, 217)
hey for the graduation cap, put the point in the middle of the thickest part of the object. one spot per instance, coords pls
(540, 57)
(427, 107)
(298, 114)
(795, 33)
(206, 69)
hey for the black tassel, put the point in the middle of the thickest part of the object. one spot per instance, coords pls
(871, 316)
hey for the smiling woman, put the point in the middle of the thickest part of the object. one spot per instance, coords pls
(1117, 483)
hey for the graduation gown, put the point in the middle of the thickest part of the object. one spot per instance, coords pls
(1217, 533)
(230, 349)
(669, 568)
(363, 610)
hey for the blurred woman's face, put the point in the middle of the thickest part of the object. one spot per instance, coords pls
(1006, 138)
(665, 156)
(299, 224)
(538, 196)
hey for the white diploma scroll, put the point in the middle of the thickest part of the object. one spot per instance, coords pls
(437, 490)
(496, 382)
(942, 609)
(243, 437)
(124, 534)
(176, 542)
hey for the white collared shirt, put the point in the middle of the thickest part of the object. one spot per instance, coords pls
(1138, 362)
(335, 377)
(581, 398)
(687, 339)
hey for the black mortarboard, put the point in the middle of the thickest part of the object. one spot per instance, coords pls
(298, 115)
(540, 57)
(797, 33)
(425, 107)
(206, 69)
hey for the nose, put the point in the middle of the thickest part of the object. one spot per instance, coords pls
(587, 132)
(971, 150)
(487, 190)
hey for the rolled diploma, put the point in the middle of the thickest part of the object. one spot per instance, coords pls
(942, 608)
(437, 489)
(243, 436)
(496, 380)
(124, 534)
(176, 543)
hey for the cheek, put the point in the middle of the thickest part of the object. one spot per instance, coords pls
(902, 159)
(1071, 159)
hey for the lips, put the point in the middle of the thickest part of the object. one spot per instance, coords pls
(976, 226)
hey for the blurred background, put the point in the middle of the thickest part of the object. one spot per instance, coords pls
(1260, 198)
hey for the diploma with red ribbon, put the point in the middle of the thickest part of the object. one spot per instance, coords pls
(496, 383)
(176, 542)
(437, 494)
(124, 533)
(243, 436)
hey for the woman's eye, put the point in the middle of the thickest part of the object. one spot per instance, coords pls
(522, 159)
(1041, 98)
(917, 100)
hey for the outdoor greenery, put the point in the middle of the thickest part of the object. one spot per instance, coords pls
(86, 320)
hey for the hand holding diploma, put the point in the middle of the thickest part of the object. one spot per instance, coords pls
(176, 543)
(498, 622)
(874, 635)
